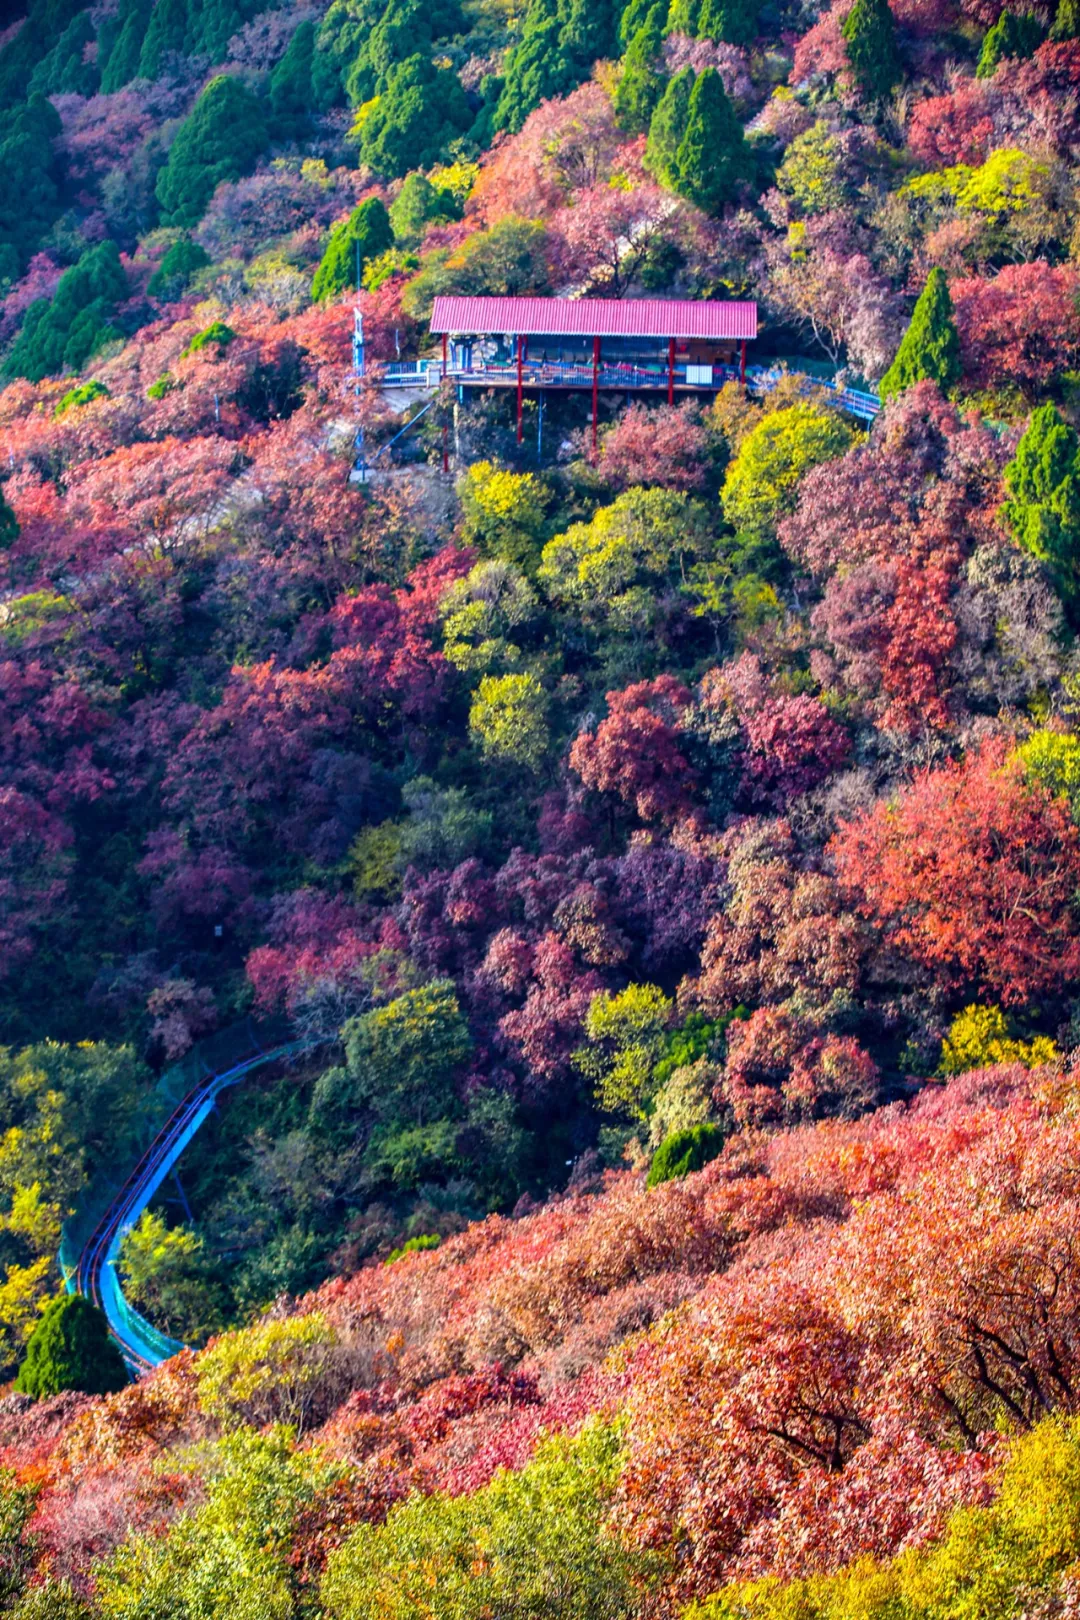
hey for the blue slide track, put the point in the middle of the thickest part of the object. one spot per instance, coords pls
(89, 1262)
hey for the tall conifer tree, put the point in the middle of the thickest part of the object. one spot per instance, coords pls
(930, 348)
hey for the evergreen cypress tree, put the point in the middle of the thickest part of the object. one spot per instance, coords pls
(643, 80)
(65, 70)
(631, 20)
(537, 68)
(71, 1349)
(166, 32)
(930, 347)
(559, 44)
(1066, 21)
(120, 47)
(9, 523)
(211, 25)
(733, 21)
(667, 128)
(1043, 510)
(683, 17)
(870, 36)
(291, 96)
(589, 32)
(712, 159)
(29, 194)
(220, 140)
(1011, 35)
(60, 334)
(422, 109)
(363, 236)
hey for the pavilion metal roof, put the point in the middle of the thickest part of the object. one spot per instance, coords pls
(597, 317)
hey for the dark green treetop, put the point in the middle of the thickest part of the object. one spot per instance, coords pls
(220, 140)
(71, 1349)
(643, 79)
(1043, 509)
(712, 159)
(1015, 34)
(363, 236)
(870, 36)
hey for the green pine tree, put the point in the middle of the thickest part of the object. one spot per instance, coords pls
(537, 68)
(1043, 509)
(9, 523)
(734, 21)
(29, 194)
(1066, 20)
(363, 236)
(120, 43)
(60, 334)
(291, 96)
(71, 1349)
(220, 140)
(1014, 34)
(420, 112)
(166, 34)
(683, 17)
(870, 36)
(930, 347)
(643, 79)
(667, 128)
(631, 20)
(712, 159)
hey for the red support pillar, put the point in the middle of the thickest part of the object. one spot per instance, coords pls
(742, 363)
(520, 394)
(444, 354)
(671, 371)
(595, 388)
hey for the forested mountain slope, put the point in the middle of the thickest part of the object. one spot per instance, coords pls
(670, 850)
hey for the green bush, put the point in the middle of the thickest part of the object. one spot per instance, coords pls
(217, 335)
(173, 275)
(684, 1151)
(82, 394)
(71, 1349)
(416, 1245)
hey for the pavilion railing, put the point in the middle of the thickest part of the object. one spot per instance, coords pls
(614, 375)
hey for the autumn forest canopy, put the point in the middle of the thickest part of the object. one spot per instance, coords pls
(660, 847)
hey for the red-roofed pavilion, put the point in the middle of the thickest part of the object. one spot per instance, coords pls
(631, 344)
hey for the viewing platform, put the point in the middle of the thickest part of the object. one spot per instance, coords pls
(426, 375)
(665, 347)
